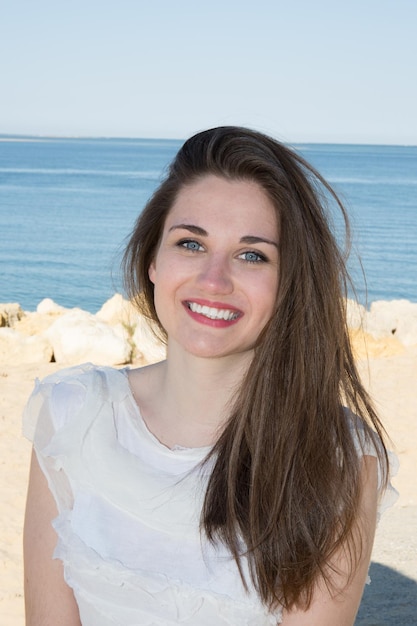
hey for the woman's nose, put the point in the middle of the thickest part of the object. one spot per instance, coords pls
(215, 276)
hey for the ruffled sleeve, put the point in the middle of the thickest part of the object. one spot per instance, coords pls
(54, 401)
(368, 446)
(389, 495)
(56, 419)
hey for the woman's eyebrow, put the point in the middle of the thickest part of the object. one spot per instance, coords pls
(197, 230)
(254, 239)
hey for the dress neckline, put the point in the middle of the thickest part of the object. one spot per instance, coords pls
(176, 449)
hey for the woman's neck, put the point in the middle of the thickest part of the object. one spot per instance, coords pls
(187, 400)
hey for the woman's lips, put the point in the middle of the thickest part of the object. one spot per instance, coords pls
(212, 313)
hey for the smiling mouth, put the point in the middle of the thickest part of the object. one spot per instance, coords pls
(212, 312)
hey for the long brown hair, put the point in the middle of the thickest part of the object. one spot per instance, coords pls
(286, 467)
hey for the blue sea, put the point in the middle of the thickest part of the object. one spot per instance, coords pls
(68, 205)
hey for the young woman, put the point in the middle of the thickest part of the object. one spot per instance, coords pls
(226, 484)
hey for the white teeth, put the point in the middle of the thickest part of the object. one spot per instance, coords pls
(211, 312)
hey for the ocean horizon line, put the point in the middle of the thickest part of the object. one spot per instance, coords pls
(16, 137)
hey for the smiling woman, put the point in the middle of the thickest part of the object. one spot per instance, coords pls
(227, 484)
(207, 276)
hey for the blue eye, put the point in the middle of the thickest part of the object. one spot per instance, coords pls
(190, 244)
(253, 257)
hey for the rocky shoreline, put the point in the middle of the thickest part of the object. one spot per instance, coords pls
(118, 334)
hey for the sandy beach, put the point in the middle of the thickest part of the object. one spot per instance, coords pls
(391, 598)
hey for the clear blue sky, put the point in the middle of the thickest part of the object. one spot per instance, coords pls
(302, 70)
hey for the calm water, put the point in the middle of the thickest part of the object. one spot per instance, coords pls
(67, 206)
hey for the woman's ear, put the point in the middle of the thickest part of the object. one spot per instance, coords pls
(152, 272)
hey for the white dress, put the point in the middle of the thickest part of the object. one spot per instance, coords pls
(129, 508)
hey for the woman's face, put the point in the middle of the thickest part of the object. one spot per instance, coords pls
(216, 269)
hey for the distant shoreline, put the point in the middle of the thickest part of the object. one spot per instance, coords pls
(45, 138)
(52, 138)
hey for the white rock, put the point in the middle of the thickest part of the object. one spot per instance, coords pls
(17, 349)
(48, 306)
(77, 337)
(396, 318)
(355, 314)
(118, 310)
(10, 313)
(34, 323)
(147, 345)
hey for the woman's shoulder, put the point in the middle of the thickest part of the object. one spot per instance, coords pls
(83, 374)
(69, 393)
(366, 440)
(368, 443)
